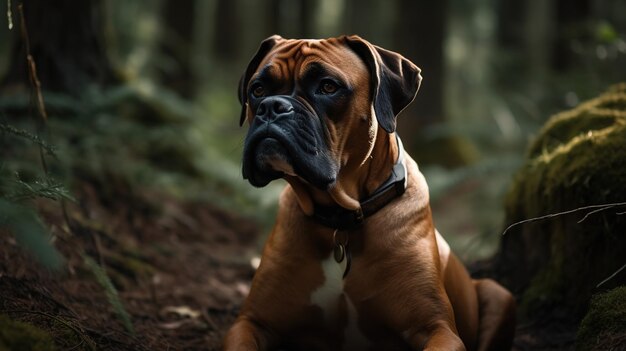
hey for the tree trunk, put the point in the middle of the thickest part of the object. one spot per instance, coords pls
(358, 18)
(66, 42)
(570, 17)
(176, 44)
(227, 31)
(307, 19)
(510, 23)
(420, 34)
(273, 17)
(539, 27)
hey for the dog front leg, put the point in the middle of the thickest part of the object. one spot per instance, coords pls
(439, 338)
(246, 335)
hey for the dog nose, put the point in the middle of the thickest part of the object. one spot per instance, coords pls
(273, 107)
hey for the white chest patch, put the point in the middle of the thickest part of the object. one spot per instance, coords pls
(328, 295)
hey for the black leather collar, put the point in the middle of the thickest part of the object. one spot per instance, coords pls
(337, 217)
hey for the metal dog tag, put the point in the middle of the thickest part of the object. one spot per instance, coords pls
(339, 252)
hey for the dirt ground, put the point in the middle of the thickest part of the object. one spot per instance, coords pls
(181, 269)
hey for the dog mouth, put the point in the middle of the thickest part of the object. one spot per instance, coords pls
(270, 153)
(272, 156)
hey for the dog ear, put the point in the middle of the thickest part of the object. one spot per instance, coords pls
(264, 48)
(394, 80)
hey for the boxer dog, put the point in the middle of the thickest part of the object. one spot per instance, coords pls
(354, 261)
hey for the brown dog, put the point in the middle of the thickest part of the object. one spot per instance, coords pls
(354, 261)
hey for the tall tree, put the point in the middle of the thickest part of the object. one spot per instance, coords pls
(419, 34)
(178, 32)
(571, 16)
(539, 40)
(66, 41)
(292, 18)
(359, 18)
(227, 29)
(273, 17)
(540, 32)
(307, 18)
(510, 23)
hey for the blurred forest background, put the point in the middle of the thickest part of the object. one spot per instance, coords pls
(493, 73)
(138, 110)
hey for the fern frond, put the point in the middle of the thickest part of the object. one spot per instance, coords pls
(5, 128)
(40, 188)
(111, 292)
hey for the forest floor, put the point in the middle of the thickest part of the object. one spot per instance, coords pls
(181, 270)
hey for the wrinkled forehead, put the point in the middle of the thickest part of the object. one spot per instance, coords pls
(293, 59)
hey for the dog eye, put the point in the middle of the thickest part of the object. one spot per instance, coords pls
(257, 90)
(328, 87)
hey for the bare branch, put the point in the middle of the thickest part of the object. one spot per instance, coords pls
(32, 68)
(595, 211)
(611, 276)
(551, 215)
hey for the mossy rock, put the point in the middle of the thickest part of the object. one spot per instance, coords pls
(16, 335)
(604, 326)
(577, 160)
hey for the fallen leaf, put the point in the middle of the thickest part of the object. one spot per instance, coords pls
(182, 311)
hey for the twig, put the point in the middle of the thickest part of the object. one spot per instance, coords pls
(41, 106)
(32, 67)
(36, 94)
(551, 215)
(595, 211)
(611, 276)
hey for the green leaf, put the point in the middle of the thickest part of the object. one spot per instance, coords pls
(30, 233)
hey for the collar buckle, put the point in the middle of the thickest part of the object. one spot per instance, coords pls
(358, 215)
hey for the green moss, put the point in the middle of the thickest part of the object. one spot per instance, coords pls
(582, 150)
(604, 326)
(15, 335)
(577, 160)
(595, 115)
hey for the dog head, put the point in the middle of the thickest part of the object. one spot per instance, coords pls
(315, 107)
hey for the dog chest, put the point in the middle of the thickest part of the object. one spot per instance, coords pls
(339, 310)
